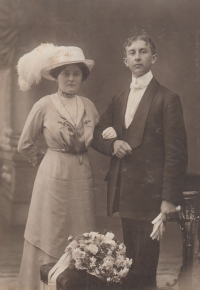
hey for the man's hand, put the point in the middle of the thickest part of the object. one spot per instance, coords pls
(167, 209)
(121, 148)
(109, 133)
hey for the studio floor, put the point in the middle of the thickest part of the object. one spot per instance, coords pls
(11, 246)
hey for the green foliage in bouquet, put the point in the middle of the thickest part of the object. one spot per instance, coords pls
(99, 255)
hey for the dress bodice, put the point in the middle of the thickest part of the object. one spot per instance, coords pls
(73, 137)
(50, 117)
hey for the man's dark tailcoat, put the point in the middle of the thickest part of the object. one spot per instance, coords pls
(156, 169)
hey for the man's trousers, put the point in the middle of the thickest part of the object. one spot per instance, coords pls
(143, 250)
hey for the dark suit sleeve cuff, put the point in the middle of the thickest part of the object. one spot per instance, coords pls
(112, 146)
(175, 202)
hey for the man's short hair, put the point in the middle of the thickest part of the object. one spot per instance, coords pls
(146, 38)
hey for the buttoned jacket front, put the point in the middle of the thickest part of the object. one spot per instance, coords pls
(157, 167)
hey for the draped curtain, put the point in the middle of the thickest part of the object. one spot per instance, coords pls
(9, 32)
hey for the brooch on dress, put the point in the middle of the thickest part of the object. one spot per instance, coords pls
(86, 122)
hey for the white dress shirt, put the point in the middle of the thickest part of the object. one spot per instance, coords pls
(138, 87)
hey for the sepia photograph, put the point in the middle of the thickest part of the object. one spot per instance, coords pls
(99, 144)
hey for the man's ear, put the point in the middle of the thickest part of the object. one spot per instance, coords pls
(154, 58)
(125, 61)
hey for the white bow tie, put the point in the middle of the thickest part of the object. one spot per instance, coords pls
(137, 85)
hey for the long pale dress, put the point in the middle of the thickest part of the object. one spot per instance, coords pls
(63, 201)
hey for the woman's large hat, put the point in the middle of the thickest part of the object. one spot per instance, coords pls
(40, 61)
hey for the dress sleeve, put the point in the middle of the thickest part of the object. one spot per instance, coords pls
(100, 144)
(96, 115)
(33, 127)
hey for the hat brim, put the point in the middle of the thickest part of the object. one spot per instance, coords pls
(45, 73)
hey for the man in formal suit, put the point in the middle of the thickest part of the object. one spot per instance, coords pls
(148, 158)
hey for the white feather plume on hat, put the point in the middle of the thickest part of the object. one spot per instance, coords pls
(40, 61)
(30, 65)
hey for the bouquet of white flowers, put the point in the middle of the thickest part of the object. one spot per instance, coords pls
(101, 259)
(99, 255)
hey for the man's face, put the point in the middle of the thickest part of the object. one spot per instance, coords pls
(139, 58)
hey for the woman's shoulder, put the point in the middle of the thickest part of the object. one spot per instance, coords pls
(90, 107)
(44, 101)
(87, 101)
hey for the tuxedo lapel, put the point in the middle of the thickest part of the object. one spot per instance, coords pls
(120, 110)
(137, 126)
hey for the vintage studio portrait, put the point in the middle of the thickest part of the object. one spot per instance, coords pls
(99, 144)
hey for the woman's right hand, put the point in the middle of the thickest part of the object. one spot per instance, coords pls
(37, 159)
(109, 133)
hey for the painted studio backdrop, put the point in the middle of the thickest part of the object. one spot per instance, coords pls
(100, 28)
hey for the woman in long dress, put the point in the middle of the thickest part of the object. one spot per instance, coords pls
(63, 201)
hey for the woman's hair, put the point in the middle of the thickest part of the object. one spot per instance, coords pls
(146, 38)
(84, 69)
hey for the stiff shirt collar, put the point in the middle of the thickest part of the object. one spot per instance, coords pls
(141, 82)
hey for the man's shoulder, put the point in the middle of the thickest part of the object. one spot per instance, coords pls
(120, 94)
(166, 91)
(166, 95)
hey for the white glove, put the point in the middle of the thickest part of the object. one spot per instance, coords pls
(159, 226)
(109, 133)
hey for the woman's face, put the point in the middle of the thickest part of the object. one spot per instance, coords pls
(69, 79)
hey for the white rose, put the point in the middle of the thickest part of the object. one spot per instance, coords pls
(77, 253)
(120, 260)
(92, 249)
(107, 265)
(128, 262)
(123, 272)
(86, 235)
(109, 236)
(109, 253)
(93, 262)
(93, 235)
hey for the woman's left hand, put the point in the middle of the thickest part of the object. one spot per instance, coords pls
(109, 133)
